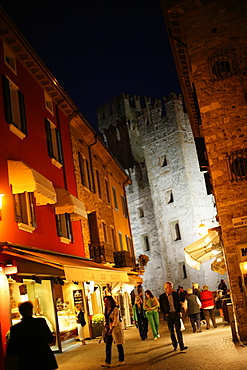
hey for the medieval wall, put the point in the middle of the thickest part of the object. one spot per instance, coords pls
(165, 166)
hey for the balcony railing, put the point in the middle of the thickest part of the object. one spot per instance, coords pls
(123, 259)
(101, 252)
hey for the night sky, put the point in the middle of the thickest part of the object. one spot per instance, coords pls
(98, 49)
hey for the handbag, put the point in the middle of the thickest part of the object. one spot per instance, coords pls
(182, 327)
(105, 333)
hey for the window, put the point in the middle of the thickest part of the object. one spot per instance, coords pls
(54, 144)
(104, 227)
(223, 64)
(124, 206)
(49, 103)
(146, 247)
(98, 183)
(84, 171)
(24, 211)
(9, 58)
(175, 230)
(107, 192)
(182, 270)
(64, 227)
(113, 239)
(163, 161)
(120, 240)
(14, 108)
(127, 240)
(237, 165)
(140, 212)
(115, 198)
(169, 197)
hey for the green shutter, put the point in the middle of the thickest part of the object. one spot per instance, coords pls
(48, 138)
(22, 113)
(31, 203)
(7, 100)
(59, 147)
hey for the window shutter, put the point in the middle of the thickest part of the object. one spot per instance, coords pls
(88, 176)
(59, 147)
(22, 113)
(68, 226)
(32, 210)
(81, 165)
(93, 227)
(59, 225)
(17, 205)
(7, 100)
(48, 137)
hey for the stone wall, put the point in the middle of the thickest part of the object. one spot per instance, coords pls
(157, 135)
(215, 37)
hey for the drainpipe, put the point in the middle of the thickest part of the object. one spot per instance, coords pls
(91, 162)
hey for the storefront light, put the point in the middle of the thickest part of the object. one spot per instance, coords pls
(202, 229)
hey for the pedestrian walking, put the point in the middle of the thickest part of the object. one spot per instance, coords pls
(29, 341)
(207, 301)
(140, 318)
(222, 286)
(80, 319)
(151, 307)
(170, 306)
(192, 305)
(113, 331)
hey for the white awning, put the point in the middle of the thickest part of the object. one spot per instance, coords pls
(100, 275)
(68, 203)
(24, 178)
(202, 250)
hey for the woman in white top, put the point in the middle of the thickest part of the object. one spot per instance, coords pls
(113, 331)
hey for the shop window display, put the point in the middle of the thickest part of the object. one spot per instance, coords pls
(38, 294)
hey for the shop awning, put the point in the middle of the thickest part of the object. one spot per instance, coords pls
(204, 249)
(68, 203)
(75, 268)
(99, 275)
(24, 178)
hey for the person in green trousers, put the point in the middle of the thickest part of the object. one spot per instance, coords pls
(151, 307)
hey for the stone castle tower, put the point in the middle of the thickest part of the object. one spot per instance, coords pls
(168, 198)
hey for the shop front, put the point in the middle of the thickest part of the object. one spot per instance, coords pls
(56, 283)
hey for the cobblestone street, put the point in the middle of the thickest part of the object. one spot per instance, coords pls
(210, 350)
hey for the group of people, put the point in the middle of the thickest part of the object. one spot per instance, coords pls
(32, 335)
(198, 304)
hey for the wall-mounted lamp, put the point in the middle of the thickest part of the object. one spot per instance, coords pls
(202, 229)
(9, 267)
(8, 263)
(1, 204)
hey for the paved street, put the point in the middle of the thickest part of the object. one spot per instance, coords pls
(210, 350)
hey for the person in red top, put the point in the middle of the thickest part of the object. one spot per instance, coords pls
(207, 301)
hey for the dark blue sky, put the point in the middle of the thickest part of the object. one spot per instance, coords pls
(98, 49)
